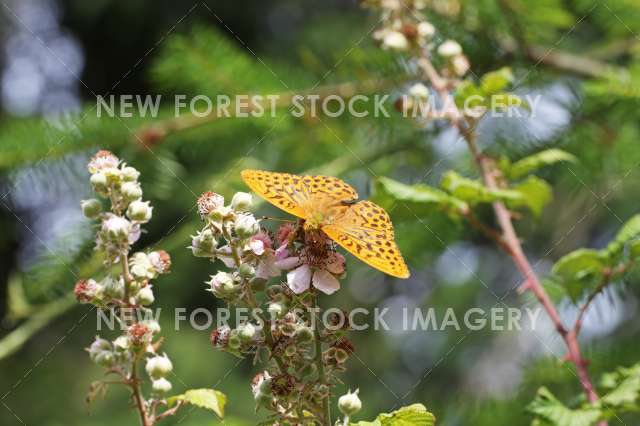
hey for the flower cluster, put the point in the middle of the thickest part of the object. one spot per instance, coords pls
(405, 29)
(126, 294)
(278, 274)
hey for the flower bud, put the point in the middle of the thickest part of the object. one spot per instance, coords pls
(121, 343)
(91, 208)
(208, 202)
(241, 201)
(247, 271)
(99, 181)
(246, 226)
(158, 366)
(203, 244)
(234, 341)
(460, 65)
(419, 91)
(222, 284)
(161, 385)
(129, 174)
(246, 332)
(153, 326)
(105, 359)
(349, 404)
(275, 310)
(145, 296)
(290, 351)
(113, 288)
(140, 211)
(395, 40)
(304, 334)
(426, 30)
(99, 346)
(449, 49)
(139, 335)
(131, 191)
(116, 228)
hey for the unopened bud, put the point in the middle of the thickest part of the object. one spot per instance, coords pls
(246, 332)
(158, 366)
(129, 174)
(91, 208)
(161, 385)
(145, 296)
(246, 226)
(395, 40)
(140, 211)
(426, 30)
(131, 190)
(349, 404)
(98, 181)
(449, 49)
(241, 201)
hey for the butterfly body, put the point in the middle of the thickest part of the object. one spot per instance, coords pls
(329, 205)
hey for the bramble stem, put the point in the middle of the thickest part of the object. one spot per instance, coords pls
(326, 409)
(509, 240)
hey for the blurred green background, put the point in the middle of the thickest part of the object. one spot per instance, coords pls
(57, 55)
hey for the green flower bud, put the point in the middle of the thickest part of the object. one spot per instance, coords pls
(304, 334)
(161, 385)
(246, 226)
(234, 340)
(247, 271)
(129, 174)
(241, 201)
(275, 310)
(290, 351)
(105, 359)
(145, 296)
(246, 332)
(99, 181)
(131, 191)
(349, 404)
(91, 208)
(140, 211)
(158, 367)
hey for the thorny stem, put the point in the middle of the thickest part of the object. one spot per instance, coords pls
(511, 242)
(132, 380)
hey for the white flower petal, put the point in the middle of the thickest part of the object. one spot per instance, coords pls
(257, 247)
(325, 282)
(288, 263)
(299, 279)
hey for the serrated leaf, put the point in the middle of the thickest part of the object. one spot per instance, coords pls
(536, 193)
(553, 412)
(579, 270)
(623, 387)
(209, 399)
(412, 415)
(536, 161)
(473, 191)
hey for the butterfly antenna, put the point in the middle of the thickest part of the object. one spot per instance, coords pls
(277, 219)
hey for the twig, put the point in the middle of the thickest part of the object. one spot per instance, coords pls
(509, 236)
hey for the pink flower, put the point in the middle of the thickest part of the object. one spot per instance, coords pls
(103, 160)
(321, 273)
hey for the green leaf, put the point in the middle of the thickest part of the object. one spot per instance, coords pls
(209, 399)
(629, 231)
(469, 95)
(419, 194)
(536, 193)
(579, 270)
(536, 161)
(473, 191)
(496, 81)
(623, 388)
(412, 415)
(553, 412)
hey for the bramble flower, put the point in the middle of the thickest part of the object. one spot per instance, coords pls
(426, 30)
(139, 334)
(103, 160)
(395, 40)
(91, 208)
(419, 91)
(208, 202)
(87, 290)
(139, 211)
(161, 385)
(241, 201)
(319, 271)
(160, 260)
(158, 366)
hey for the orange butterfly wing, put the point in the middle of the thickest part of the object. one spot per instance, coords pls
(295, 194)
(365, 231)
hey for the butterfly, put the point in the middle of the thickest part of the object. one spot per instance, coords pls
(330, 205)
